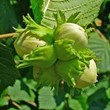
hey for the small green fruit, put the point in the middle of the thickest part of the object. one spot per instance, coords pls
(69, 70)
(29, 44)
(42, 57)
(74, 32)
(46, 77)
(89, 76)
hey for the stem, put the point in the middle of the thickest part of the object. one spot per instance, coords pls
(7, 35)
(32, 103)
(101, 35)
(16, 105)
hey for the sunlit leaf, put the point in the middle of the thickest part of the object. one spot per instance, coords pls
(17, 94)
(88, 10)
(46, 98)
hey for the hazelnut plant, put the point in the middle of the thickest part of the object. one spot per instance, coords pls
(56, 50)
(55, 54)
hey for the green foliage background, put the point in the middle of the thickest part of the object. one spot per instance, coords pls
(17, 87)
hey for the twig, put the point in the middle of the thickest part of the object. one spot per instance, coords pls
(32, 103)
(16, 105)
(101, 35)
(7, 35)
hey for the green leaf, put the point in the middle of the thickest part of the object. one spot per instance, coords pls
(22, 107)
(73, 103)
(36, 6)
(7, 16)
(83, 101)
(30, 83)
(6, 52)
(98, 100)
(108, 92)
(3, 101)
(104, 83)
(107, 106)
(88, 10)
(46, 98)
(17, 94)
(12, 108)
(8, 73)
(102, 50)
(30, 86)
(61, 106)
(25, 107)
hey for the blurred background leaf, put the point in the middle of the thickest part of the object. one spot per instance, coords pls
(17, 94)
(36, 6)
(102, 50)
(46, 98)
(8, 72)
(7, 17)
